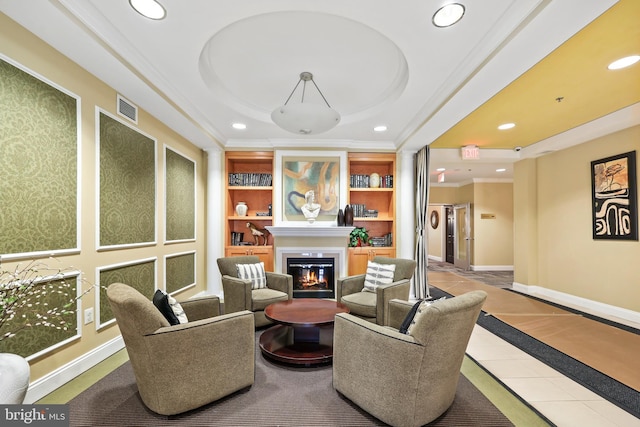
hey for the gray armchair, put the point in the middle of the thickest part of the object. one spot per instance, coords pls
(182, 367)
(405, 379)
(374, 306)
(238, 294)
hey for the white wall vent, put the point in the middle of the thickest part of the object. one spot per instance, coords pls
(127, 109)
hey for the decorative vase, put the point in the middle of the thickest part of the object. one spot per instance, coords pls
(348, 216)
(374, 180)
(340, 218)
(14, 378)
(241, 209)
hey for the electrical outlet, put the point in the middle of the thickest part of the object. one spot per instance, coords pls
(88, 315)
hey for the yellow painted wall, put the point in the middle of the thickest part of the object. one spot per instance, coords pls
(24, 48)
(569, 260)
(493, 238)
(492, 243)
(443, 195)
(525, 214)
(436, 237)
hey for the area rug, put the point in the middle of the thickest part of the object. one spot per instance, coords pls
(280, 396)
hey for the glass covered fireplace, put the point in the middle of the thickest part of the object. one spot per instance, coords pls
(312, 277)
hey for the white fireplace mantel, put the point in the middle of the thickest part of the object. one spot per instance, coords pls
(309, 230)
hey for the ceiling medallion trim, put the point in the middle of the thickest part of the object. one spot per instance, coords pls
(250, 91)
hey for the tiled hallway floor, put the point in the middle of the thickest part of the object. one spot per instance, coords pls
(561, 400)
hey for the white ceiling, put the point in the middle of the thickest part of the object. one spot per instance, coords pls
(212, 63)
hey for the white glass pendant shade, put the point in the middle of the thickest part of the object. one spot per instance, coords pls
(305, 118)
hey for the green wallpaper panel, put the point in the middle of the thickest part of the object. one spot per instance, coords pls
(180, 272)
(34, 339)
(180, 193)
(127, 184)
(39, 164)
(139, 276)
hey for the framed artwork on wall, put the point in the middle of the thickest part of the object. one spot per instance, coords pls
(302, 171)
(614, 197)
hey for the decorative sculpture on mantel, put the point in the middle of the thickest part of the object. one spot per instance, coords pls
(310, 209)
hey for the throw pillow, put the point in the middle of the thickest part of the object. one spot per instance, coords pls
(421, 306)
(408, 320)
(378, 274)
(253, 272)
(169, 307)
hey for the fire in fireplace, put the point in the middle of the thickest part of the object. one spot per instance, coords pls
(312, 277)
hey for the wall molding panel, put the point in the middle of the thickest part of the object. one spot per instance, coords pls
(180, 197)
(139, 274)
(180, 271)
(40, 173)
(126, 165)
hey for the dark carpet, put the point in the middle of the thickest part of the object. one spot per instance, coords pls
(608, 388)
(280, 396)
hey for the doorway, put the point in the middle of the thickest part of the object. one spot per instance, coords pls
(449, 234)
(462, 235)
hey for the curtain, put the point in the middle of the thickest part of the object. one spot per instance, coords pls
(420, 284)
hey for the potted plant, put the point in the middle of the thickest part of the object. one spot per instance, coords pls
(25, 303)
(359, 237)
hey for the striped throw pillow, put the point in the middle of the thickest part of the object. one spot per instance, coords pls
(378, 274)
(253, 272)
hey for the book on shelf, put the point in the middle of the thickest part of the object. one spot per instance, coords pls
(360, 211)
(249, 179)
(380, 241)
(362, 181)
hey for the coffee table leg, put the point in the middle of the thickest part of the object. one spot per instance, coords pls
(306, 334)
(298, 346)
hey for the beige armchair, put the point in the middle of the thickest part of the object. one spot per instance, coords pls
(185, 366)
(238, 294)
(373, 306)
(405, 379)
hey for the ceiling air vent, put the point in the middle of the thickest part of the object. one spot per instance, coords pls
(127, 109)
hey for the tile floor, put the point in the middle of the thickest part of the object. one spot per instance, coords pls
(562, 401)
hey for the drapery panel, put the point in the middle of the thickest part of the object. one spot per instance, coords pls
(420, 283)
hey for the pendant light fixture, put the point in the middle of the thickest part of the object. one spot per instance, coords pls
(305, 118)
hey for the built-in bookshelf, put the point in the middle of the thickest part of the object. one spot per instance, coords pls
(373, 200)
(250, 180)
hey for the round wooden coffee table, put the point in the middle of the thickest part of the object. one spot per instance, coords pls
(304, 334)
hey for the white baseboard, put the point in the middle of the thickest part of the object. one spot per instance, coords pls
(435, 258)
(50, 382)
(574, 301)
(492, 267)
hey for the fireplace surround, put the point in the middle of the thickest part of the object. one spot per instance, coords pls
(307, 244)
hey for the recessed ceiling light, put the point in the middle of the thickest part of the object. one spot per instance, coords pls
(381, 128)
(441, 169)
(501, 170)
(149, 8)
(624, 62)
(239, 126)
(448, 15)
(506, 126)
